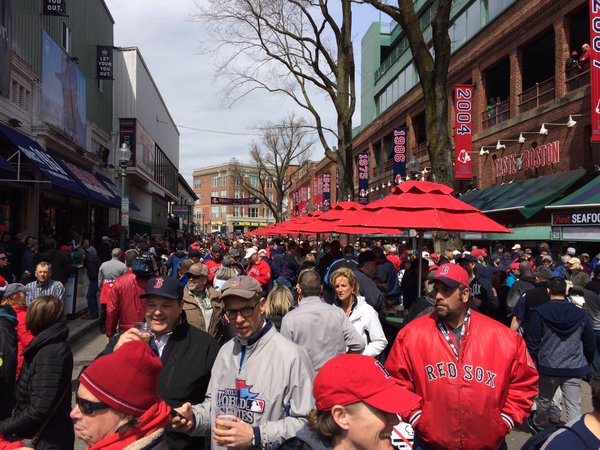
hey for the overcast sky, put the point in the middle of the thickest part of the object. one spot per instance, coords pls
(169, 42)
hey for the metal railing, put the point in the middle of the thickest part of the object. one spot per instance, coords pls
(383, 169)
(537, 95)
(496, 113)
(578, 80)
(420, 150)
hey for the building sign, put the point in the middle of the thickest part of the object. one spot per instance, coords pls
(180, 209)
(326, 191)
(104, 62)
(55, 8)
(234, 201)
(399, 154)
(145, 150)
(302, 201)
(533, 158)
(595, 68)
(576, 218)
(317, 193)
(127, 135)
(296, 198)
(463, 144)
(363, 178)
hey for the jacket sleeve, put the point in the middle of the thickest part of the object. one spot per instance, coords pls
(50, 377)
(399, 366)
(534, 334)
(298, 400)
(61, 292)
(378, 341)
(522, 388)
(8, 354)
(589, 340)
(264, 274)
(112, 311)
(353, 340)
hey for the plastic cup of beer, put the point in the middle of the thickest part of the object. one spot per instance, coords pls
(226, 413)
(144, 329)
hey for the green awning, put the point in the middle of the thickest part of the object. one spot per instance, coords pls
(584, 197)
(521, 234)
(528, 196)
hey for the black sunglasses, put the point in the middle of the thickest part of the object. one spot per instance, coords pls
(87, 407)
(245, 312)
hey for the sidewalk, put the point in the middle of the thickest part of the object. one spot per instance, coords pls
(79, 326)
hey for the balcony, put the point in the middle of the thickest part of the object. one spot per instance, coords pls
(578, 80)
(383, 169)
(420, 151)
(496, 114)
(537, 95)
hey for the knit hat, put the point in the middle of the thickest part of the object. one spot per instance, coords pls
(351, 378)
(452, 275)
(127, 379)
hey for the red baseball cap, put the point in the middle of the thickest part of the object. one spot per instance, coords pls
(478, 252)
(452, 275)
(351, 378)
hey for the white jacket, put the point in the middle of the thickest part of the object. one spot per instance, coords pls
(366, 321)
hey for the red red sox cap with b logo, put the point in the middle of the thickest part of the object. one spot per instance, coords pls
(166, 287)
(452, 275)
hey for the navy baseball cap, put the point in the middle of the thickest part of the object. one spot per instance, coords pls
(163, 286)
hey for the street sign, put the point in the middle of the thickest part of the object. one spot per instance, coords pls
(125, 205)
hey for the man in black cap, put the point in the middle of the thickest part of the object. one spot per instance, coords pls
(366, 276)
(187, 353)
(214, 262)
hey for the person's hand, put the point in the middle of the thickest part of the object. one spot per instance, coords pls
(186, 423)
(133, 334)
(239, 433)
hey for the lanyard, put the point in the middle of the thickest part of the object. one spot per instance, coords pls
(442, 327)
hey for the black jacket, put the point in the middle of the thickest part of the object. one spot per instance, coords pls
(187, 362)
(8, 355)
(45, 376)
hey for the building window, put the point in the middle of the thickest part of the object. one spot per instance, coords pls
(236, 211)
(214, 194)
(224, 180)
(223, 212)
(199, 201)
(20, 95)
(223, 193)
(236, 194)
(215, 181)
(270, 196)
(214, 212)
(253, 212)
(269, 183)
(197, 183)
(237, 181)
(253, 181)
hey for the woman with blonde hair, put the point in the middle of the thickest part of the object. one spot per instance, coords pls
(362, 315)
(279, 303)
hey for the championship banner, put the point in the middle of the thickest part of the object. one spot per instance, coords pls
(594, 65)
(234, 201)
(400, 154)
(363, 178)
(54, 8)
(296, 197)
(302, 201)
(463, 144)
(317, 193)
(326, 191)
(104, 62)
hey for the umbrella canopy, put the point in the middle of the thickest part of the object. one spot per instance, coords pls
(422, 205)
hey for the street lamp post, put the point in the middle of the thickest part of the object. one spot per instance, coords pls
(124, 157)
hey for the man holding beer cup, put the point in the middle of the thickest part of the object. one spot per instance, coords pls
(260, 390)
(187, 353)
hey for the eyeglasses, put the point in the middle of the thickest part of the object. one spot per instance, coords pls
(87, 407)
(246, 312)
(196, 277)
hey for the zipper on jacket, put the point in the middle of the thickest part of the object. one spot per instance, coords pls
(242, 357)
(172, 370)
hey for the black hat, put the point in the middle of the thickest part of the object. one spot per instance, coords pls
(366, 257)
(163, 286)
(467, 257)
(216, 248)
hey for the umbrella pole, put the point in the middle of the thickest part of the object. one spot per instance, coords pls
(420, 247)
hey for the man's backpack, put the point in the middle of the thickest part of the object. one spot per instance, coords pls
(144, 265)
(538, 440)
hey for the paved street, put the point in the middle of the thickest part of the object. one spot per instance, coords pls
(91, 343)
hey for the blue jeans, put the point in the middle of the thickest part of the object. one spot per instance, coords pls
(92, 298)
(418, 444)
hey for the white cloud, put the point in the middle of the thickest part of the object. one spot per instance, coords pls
(169, 42)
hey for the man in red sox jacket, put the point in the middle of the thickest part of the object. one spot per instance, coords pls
(474, 374)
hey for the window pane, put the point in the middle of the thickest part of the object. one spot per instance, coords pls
(460, 30)
(473, 19)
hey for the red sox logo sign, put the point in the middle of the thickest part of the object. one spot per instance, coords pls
(158, 283)
(444, 270)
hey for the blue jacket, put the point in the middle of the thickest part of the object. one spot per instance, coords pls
(560, 339)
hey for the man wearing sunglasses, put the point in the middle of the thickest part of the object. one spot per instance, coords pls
(259, 377)
(202, 306)
(124, 410)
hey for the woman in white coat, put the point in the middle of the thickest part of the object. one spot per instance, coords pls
(362, 315)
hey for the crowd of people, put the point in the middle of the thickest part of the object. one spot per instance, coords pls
(232, 342)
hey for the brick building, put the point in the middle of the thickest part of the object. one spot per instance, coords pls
(513, 53)
(219, 181)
